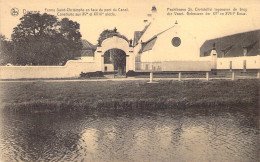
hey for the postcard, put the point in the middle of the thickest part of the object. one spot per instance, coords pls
(129, 80)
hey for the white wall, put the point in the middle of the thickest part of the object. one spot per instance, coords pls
(163, 50)
(174, 66)
(87, 59)
(252, 62)
(186, 66)
(73, 68)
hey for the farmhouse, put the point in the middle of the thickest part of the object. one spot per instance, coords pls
(238, 51)
(158, 47)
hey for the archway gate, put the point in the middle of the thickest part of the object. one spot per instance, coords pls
(118, 43)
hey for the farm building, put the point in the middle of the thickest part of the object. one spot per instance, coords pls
(158, 47)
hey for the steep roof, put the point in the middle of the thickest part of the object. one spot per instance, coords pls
(87, 45)
(148, 45)
(234, 45)
(88, 49)
(139, 34)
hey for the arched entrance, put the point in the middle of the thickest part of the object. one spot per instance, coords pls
(115, 45)
(116, 58)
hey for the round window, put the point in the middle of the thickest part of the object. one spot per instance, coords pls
(176, 41)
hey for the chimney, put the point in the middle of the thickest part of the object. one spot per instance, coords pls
(214, 56)
(223, 53)
(154, 12)
(244, 51)
(149, 18)
(145, 22)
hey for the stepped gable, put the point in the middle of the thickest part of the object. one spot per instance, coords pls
(234, 45)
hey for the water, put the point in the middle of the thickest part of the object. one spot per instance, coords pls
(154, 135)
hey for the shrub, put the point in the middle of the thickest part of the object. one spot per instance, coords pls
(92, 74)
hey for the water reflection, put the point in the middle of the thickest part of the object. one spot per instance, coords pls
(182, 135)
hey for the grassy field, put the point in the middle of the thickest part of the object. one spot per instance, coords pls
(42, 96)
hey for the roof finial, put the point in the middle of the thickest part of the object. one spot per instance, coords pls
(154, 9)
(115, 30)
(130, 43)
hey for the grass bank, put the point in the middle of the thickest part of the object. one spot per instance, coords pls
(80, 96)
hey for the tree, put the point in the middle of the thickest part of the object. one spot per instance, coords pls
(5, 50)
(118, 56)
(41, 39)
(70, 31)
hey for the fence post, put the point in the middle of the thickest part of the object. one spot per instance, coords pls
(179, 76)
(207, 76)
(151, 77)
(233, 75)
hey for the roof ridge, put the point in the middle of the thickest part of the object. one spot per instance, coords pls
(233, 34)
(87, 42)
(144, 30)
(165, 30)
(155, 36)
(149, 40)
(146, 27)
(87, 45)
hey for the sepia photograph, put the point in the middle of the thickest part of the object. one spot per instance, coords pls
(130, 80)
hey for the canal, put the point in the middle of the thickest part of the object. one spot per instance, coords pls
(193, 134)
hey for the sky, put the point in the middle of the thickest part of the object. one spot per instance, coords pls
(201, 27)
